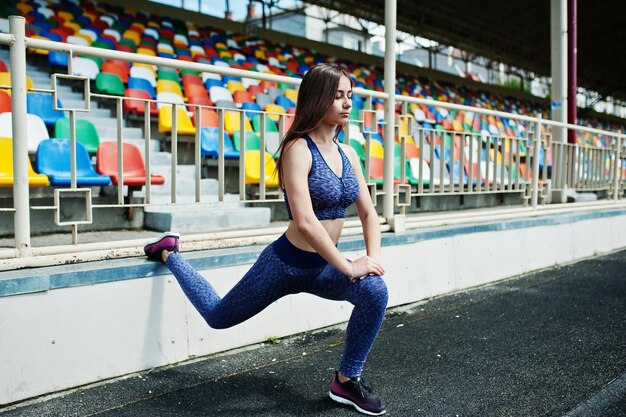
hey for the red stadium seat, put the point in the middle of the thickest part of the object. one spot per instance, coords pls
(133, 168)
(139, 106)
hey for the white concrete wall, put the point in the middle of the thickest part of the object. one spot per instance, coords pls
(63, 338)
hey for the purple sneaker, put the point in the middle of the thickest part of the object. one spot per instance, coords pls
(167, 241)
(355, 393)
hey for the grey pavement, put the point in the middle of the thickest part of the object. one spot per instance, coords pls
(551, 343)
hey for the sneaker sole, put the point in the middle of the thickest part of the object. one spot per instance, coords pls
(348, 402)
(163, 235)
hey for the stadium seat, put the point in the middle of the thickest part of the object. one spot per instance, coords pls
(111, 67)
(137, 71)
(5, 101)
(275, 111)
(209, 118)
(133, 167)
(36, 129)
(5, 81)
(253, 168)
(86, 133)
(3, 66)
(165, 99)
(58, 59)
(199, 100)
(85, 67)
(413, 171)
(168, 86)
(284, 102)
(142, 84)
(253, 142)
(6, 167)
(219, 93)
(184, 125)
(264, 100)
(53, 160)
(209, 137)
(139, 106)
(272, 143)
(195, 90)
(270, 125)
(232, 122)
(111, 84)
(41, 105)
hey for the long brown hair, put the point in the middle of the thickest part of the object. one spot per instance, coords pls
(315, 96)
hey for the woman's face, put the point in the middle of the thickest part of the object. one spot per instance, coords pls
(339, 111)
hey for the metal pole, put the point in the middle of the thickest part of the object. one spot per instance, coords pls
(17, 25)
(558, 102)
(536, 153)
(618, 168)
(572, 63)
(390, 105)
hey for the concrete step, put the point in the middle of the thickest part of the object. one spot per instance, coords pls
(184, 186)
(94, 112)
(231, 201)
(202, 218)
(110, 132)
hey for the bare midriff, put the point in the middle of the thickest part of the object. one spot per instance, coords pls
(333, 228)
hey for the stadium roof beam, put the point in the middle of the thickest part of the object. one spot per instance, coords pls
(516, 32)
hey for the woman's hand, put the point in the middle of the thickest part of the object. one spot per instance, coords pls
(364, 266)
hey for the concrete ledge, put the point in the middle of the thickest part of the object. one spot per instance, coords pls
(19, 281)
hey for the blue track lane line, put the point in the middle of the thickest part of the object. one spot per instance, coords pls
(602, 400)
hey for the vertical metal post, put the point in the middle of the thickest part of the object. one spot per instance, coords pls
(536, 153)
(174, 152)
(618, 168)
(196, 152)
(120, 154)
(390, 105)
(21, 196)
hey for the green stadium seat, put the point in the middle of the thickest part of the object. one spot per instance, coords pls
(109, 84)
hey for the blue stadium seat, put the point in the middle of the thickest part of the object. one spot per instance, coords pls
(58, 59)
(285, 102)
(210, 144)
(53, 159)
(41, 105)
(142, 84)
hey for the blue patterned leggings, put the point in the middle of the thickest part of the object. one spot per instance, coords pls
(283, 269)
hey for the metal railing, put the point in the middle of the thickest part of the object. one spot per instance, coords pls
(449, 162)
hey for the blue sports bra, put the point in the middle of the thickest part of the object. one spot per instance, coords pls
(330, 194)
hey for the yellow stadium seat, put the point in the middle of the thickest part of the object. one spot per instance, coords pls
(39, 51)
(146, 51)
(404, 126)
(457, 126)
(232, 122)
(233, 86)
(74, 26)
(253, 169)
(184, 124)
(68, 16)
(274, 108)
(376, 149)
(260, 54)
(291, 94)
(24, 8)
(132, 35)
(168, 86)
(5, 80)
(6, 167)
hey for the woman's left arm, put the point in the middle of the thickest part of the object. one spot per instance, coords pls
(365, 208)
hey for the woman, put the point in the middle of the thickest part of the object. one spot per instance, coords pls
(320, 178)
